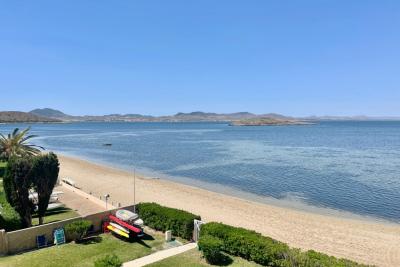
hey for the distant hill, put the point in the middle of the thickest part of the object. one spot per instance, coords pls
(18, 116)
(179, 117)
(49, 113)
(207, 116)
(276, 116)
(268, 121)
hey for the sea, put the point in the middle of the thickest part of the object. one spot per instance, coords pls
(343, 168)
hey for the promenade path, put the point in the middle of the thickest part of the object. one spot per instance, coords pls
(78, 202)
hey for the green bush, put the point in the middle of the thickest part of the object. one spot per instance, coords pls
(266, 251)
(9, 218)
(211, 248)
(108, 261)
(247, 244)
(163, 218)
(77, 230)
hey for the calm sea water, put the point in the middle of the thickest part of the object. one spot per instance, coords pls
(345, 166)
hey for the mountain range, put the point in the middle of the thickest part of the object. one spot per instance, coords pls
(179, 117)
(53, 115)
(18, 116)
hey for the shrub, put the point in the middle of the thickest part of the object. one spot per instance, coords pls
(77, 230)
(9, 218)
(319, 259)
(163, 218)
(108, 261)
(266, 251)
(247, 244)
(211, 248)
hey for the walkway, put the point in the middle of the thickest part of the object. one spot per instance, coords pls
(75, 201)
(160, 255)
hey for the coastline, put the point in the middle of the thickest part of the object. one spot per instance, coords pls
(366, 241)
(289, 201)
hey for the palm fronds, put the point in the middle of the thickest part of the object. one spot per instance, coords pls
(16, 144)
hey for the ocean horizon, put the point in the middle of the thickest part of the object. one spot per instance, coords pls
(349, 167)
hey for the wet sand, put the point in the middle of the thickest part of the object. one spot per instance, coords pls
(365, 241)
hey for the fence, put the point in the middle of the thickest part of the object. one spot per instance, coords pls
(196, 229)
(25, 239)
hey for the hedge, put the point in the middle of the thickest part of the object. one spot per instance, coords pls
(163, 218)
(247, 244)
(211, 248)
(266, 251)
(9, 218)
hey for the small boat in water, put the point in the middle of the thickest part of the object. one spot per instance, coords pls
(107, 144)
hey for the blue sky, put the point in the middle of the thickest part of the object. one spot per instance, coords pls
(161, 57)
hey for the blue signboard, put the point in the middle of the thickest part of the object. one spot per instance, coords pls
(59, 236)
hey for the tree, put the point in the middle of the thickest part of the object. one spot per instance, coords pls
(15, 144)
(44, 177)
(17, 182)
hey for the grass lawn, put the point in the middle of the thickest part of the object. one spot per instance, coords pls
(193, 258)
(85, 254)
(55, 215)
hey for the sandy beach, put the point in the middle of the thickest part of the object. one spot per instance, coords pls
(369, 242)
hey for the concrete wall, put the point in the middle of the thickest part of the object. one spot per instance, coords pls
(25, 239)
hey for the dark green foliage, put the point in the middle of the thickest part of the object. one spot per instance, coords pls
(108, 261)
(163, 218)
(247, 244)
(77, 230)
(266, 251)
(319, 259)
(23, 173)
(44, 177)
(16, 182)
(9, 218)
(211, 248)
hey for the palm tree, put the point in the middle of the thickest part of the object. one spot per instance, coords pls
(15, 144)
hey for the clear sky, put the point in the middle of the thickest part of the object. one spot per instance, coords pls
(161, 57)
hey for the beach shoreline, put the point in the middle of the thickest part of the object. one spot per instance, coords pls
(290, 201)
(366, 241)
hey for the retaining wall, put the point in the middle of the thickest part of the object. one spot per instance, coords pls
(25, 239)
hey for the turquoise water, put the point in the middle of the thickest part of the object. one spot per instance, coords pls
(346, 166)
